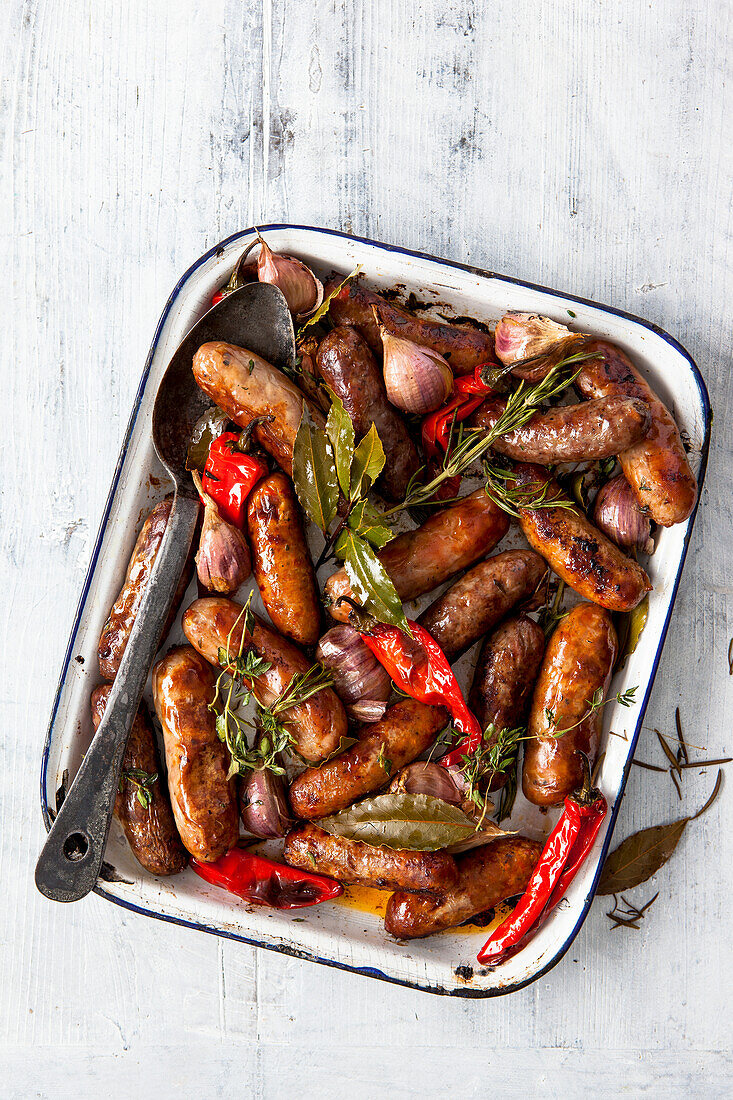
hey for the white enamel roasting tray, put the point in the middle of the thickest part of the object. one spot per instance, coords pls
(330, 933)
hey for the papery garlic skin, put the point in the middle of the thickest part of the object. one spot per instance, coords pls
(417, 379)
(617, 513)
(359, 680)
(302, 290)
(520, 336)
(223, 561)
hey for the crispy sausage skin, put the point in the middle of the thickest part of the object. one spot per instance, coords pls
(313, 849)
(656, 466)
(420, 560)
(281, 561)
(578, 661)
(486, 877)
(570, 433)
(348, 367)
(464, 348)
(203, 799)
(407, 729)
(577, 551)
(505, 673)
(116, 631)
(318, 724)
(150, 830)
(246, 386)
(483, 596)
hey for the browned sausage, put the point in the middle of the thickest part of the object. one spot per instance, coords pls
(483, 596)
(116, 632)
(486, 877)
(569, 433)
(506, 670)
(585, 559)
(347, 366)
(407, 729)
(150, 829)
(313, 849)
(420, 560)
(578, 661)
(246, 386)
(656, 467)
(463, 347)
(203, 799)
(318, 724)
(281, 561)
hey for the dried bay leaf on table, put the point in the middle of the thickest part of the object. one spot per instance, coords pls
(642, 854)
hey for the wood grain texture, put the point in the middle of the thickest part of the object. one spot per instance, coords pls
(583, 147)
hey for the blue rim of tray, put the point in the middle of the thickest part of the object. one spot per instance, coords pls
(294, 951)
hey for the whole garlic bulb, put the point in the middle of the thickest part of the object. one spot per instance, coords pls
(417, 379)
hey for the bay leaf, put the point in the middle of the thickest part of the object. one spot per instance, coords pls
(368, 463)
(314, 474)
(417, 822)
(325, 305)
(370, 581)
(367, 522)
(340, 431)
(640, 856)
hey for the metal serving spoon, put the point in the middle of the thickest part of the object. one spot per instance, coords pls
(256, 317)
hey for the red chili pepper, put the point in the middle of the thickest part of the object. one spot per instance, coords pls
(468, 393)
(266, 882)
(216, 298)
(567, 846)
(230, 475)
(419, 667)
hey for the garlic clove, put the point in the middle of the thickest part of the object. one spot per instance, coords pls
(427, 777)
(417, 379)
(303, 291)
(520, 336)
(359, 680)
(618, 514)
(223, 561)
(263, 804)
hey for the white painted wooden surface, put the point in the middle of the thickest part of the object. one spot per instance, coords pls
(580, 146)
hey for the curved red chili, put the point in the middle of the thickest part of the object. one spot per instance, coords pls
(419, 667)
(265, 882)
(567, 847)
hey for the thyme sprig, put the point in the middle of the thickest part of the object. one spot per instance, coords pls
(242, 668)
(495, 755)
(143, 781)
(626, 699)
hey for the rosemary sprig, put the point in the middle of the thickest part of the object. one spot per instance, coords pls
(528, 497)
(470, 446)
(627, 918)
